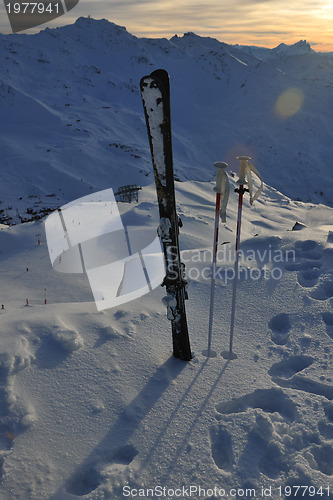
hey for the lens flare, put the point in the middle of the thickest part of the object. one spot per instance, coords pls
(289, 103)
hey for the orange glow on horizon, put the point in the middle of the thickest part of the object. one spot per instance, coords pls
(270, 42)
(263, 24)
(250, 22)
(267, 42)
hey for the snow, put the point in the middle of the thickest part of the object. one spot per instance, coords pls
(282, 50)
(154, 108)
(93, 404)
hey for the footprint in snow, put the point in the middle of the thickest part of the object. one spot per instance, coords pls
(328, 320)
(309, 276)
(280, 326)
(120, 314)
(111, 333)
(288, 367)
(106, 464)
(270, 447)
(263, 451)
(325, 426)
(13, 407)
(221, 444)
(273, 459)
(126, 322)
(308, 268)
(320, 457)
(323, 291)
(307, 385)
(269, 400)
(308, 249)
(281, 374)
(69, 340)
(328, 409)
(286, 373)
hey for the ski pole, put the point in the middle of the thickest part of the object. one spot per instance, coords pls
(241, 190)
(245, 169)
(222, 190)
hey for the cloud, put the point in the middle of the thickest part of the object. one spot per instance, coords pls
(262, 22)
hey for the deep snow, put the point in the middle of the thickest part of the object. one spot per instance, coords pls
(93, 402)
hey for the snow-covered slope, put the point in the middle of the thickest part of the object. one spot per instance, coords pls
(72, 117)
(94, 406)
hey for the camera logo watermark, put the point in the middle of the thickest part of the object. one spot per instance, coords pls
(25, 15)
(124, 262)
(88, 236)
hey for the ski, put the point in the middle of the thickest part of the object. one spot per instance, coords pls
(155, 94)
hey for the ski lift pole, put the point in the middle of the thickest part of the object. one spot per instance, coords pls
(241, 190)
(222, 190)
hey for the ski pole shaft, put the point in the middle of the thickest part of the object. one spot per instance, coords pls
(234, 288)
(241, 181)
(222, 193)
(212, 284)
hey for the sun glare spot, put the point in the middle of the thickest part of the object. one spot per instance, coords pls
(239, 149)
(289, 103)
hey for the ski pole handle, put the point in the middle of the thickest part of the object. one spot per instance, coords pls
(242, 168)
(222, 187)
(220, 175)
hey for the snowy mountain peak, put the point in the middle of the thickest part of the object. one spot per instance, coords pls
(282, 50)
(299, 48)
(302, 45)
(89, 30)
(97, 25)
(191, 39)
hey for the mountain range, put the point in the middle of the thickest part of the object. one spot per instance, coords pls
(72, 118)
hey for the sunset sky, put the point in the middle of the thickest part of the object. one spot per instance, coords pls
(251, 22)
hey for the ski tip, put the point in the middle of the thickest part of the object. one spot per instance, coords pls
(163, 77)
(160, 73)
